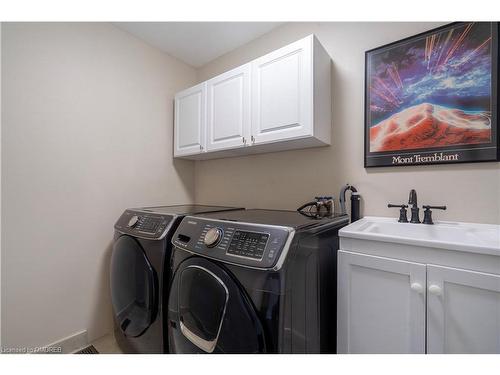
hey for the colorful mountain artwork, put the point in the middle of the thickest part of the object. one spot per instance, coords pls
(428, 126)
(432, 91)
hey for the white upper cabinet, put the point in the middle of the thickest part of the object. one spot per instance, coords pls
(279, 101)
(282, 87)
(228, 99)
(190, 120)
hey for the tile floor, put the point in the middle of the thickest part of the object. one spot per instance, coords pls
(107, 345)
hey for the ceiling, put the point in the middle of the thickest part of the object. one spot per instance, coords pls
(197, 43)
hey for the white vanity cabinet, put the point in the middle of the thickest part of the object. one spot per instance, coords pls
(279, 101)
(388, 305)
(416, 288)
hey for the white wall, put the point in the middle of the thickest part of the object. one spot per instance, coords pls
(87, 131)
(287, 179)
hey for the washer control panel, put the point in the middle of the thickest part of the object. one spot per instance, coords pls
(233, 242)
(248, 244)
(143, 224)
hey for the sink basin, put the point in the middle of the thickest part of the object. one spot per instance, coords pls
(482, 238)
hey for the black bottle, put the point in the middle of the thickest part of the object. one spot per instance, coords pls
(355, 209)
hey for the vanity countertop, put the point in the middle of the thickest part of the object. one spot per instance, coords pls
(458, 236)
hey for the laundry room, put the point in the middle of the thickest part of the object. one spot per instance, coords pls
(248, 186)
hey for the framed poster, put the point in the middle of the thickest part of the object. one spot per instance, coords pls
(432, 98)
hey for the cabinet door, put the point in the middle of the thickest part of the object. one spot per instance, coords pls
(282, 93)
(228, 98)
(463, 312)
(381, 305)
(190, 120)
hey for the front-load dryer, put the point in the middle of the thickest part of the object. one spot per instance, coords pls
(254, 281)
(140, 274)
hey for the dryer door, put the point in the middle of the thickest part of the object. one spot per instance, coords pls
(209, 312)
(134, 287)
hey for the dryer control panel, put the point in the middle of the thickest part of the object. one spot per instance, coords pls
(143, 224)
(233, 242)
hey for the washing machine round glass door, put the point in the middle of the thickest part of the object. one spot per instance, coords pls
(134, 288)
(210, 312)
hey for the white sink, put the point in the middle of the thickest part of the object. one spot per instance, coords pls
(470, 237)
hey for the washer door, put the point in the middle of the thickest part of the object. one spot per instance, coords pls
(209, 312)
(134, 290)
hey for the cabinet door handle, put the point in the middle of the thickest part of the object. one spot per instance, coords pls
(417, 287)
(252, 138)
(435, 289)
(244, 141)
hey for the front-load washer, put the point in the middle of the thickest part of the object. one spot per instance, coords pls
(140, 274)
(254, 281)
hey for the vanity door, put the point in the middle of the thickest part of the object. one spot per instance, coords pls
(463, 314)
(381, 305)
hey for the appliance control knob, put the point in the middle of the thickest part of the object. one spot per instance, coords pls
(133, 221)
(212, 237)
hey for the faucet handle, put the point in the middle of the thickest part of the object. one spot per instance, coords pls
(427, 207)
(402, 212)
(428, 213)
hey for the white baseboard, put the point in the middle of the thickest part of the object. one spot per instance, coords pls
(69, 344)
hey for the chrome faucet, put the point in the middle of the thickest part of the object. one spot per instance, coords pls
(412, 202)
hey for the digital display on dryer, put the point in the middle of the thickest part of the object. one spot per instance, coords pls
(148, 224)
(248, 244)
